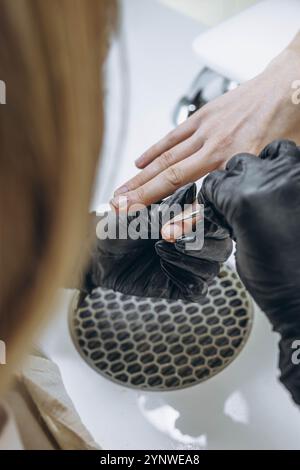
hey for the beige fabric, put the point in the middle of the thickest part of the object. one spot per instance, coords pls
(45, 414)
(9, 435)
(31, 427)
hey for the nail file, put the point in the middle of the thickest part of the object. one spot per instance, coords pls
(186, 217)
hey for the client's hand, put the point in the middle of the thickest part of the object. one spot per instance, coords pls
(243, 120)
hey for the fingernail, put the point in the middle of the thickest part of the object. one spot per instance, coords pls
(172, 231)
(123, 189)
(139, 160)
(119, 202)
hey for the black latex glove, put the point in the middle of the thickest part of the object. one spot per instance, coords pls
(155, 268)
(258, 199)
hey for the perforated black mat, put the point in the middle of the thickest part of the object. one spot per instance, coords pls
(155, 344)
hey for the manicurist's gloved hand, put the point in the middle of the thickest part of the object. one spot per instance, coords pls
(153, 267)
(258, 199)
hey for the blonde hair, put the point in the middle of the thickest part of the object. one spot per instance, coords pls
(51, 58)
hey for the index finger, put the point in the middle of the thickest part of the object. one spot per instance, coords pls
(182, 132)
(166, 182)
(181, 151)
